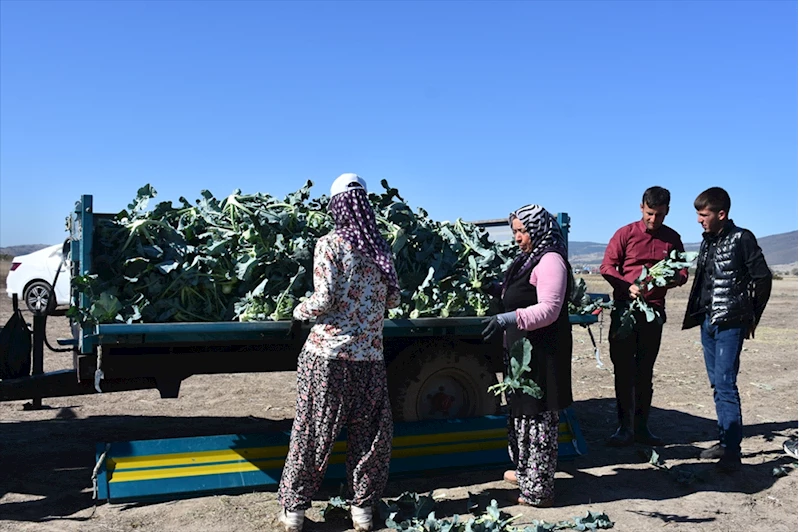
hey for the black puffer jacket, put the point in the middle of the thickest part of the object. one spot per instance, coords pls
(732, 268)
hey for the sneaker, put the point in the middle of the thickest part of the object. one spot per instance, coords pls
(717, 451)
(291, 521)
(361, 518)
(789, 446)
(510, 477)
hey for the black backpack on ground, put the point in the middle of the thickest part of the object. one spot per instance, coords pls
(15, 347)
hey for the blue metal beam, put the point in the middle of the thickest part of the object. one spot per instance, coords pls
(201, 332)
(81, 248)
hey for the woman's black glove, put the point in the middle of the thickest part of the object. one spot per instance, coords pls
(492, 328)
(497, 324)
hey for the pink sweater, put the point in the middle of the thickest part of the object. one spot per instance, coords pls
(549, 278)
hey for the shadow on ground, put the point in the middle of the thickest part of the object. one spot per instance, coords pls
(52, 461)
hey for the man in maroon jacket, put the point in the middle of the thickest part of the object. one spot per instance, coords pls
(641, 243)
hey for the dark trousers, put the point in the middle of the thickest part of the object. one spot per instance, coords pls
(722, 347)
(633, 357)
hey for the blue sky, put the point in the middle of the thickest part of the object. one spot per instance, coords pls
(471, 109)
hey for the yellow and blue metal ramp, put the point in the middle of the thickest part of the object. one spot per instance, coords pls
(181, 467)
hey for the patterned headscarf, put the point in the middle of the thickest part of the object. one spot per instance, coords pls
(545, 234)
(355, 222)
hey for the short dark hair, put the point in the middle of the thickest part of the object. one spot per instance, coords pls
(715, 198)
(656, 197)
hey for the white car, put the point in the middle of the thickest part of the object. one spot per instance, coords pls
(31, 276)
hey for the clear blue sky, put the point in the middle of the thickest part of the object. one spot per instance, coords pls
(471, 109)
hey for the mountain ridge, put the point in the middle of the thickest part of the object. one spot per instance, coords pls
(781, 249)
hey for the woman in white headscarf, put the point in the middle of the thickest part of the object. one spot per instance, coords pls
(341, 375)
(534, 295)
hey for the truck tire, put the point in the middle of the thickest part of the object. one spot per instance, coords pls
(441, 379)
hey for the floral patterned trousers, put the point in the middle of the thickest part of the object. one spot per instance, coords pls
(332, 394)
(533, 447)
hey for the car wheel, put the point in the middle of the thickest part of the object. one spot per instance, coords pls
(39, 298)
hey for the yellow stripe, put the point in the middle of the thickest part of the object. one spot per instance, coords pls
(216, 469)
(255, 453)
(401, 441)
(246, 466)
(241, 460)
(423, 439)
(449, 449)
(200, 457)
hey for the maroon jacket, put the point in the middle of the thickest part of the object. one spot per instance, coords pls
(633, 247)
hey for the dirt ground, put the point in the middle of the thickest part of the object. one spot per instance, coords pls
(47, 456)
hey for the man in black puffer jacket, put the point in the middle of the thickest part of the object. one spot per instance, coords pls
(730, 291)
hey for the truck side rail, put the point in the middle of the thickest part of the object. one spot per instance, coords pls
(223, 332)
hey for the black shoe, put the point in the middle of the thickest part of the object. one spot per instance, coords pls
(623, 437)
(729, 464)
(644, 437)
(717, 451)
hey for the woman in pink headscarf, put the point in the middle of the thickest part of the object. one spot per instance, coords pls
(341, 375)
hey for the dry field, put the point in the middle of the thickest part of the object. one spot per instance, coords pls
(47, 455)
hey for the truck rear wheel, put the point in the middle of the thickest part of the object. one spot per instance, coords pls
(441, 379)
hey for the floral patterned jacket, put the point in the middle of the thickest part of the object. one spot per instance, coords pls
(349, 302)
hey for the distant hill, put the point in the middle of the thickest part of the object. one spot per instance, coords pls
(586, 253)
(14, 251)
(780, 250)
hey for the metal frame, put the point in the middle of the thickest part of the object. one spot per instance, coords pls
(82, 237)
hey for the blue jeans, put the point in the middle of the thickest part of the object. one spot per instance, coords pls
(722, 346)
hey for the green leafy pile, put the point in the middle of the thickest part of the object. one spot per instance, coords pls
(521, 354)
(250, 257)
(411, 512)
(663, 273)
